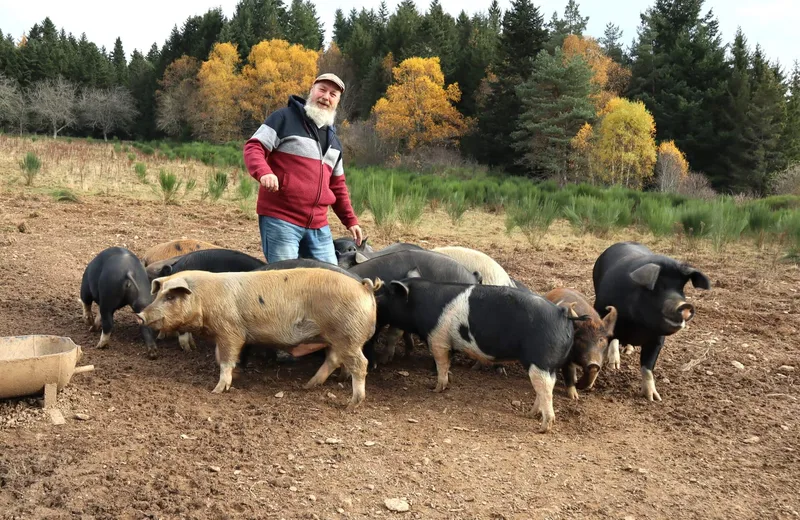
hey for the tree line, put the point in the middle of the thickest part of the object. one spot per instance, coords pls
(506, 88)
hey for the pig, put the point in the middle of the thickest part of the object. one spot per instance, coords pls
(286, 308)
(348, 245)
(174, 248)
(349, 259)
(398, 265)
(647, 291)
(113, 279)
(520, 285)
(212, 260)
(492, 273)
(489, 323)
(590, 344)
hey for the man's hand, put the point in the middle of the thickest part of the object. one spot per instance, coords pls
(270, 182)
(357, 234)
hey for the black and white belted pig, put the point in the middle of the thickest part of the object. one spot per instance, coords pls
(647, 291)
(488, 323)
(299, 310)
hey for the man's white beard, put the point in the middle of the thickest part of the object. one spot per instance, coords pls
(320, 116)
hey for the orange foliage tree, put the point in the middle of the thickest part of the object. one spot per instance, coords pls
(672, 168)
(609, 76)
(418, 109)
(219, 94)
(275, 70)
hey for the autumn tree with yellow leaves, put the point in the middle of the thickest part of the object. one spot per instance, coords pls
(672, 168)
(219, 94)
(621, 149)
(418, 110)
(177, 95)
(274, 71)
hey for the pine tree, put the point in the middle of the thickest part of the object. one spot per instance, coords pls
(768, 117)
(143, 83)
(522, 38)
(305, 27)
(572, 23)
(119, 64)
(790, 140)
(439, 38)
(403, 31)
(680, 74)
(556, 104)
(611, 43)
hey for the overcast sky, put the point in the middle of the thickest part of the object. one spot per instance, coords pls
(772, 23)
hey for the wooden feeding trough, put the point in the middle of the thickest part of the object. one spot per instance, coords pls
(32, 364)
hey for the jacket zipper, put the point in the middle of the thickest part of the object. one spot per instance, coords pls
(321, 176)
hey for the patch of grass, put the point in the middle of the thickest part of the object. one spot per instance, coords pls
(457, 204)
(411, 206)
(30, 167)
(728, 222)
(141, 172)
(533, 215)
(64, 195)
(217, 184)
(381, 203)
(247, 188)
(169, 186)
(658, 217)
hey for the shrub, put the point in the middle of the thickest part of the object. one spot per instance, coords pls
(217, 183)
(534, 215)
(169, 184)
(30, 167)
(141, 172)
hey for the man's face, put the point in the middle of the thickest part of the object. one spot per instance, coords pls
(325, 95)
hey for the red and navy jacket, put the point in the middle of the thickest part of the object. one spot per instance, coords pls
(288, 145)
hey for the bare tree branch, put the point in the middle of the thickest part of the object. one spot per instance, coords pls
(107, 109)
(13, 108)
(56, 102)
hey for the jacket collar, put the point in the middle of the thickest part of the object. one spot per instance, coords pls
(298, 104)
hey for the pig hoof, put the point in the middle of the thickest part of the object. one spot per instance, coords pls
(222, 386)
(160, 335)
(186, 342)
(572, 393)
(440, 387)
(547, 425)
(628, 350)
(502, 370)
(152, 353)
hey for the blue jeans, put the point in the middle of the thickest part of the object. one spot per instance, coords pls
(282, 240)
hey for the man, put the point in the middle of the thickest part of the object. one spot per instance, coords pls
(297, 158)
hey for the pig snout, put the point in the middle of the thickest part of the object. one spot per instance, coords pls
(686, 310)
(139, 318)
(589, 377)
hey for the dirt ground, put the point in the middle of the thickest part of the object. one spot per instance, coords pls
(158, 444)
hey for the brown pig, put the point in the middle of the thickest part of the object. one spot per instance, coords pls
(167, 250)
(288, 309)
(591, 339)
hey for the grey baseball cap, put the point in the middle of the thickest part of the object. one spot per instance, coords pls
(331, 77)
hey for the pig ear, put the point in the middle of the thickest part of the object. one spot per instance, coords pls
(646, 275)
(699, 280)
(610, 321)
(363, 246)
(360, 259)
(478, 276)
(155, 286)
(414, 273)
(177, 284)
(165, 271)
(400, 288)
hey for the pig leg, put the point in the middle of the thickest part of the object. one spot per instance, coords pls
(569, 373)
(227, 353)
(441, 354)
(149, 341)
(107, 320)
(332, 362)
(356, 364)
(87, 316)
(543, 383)
(186, 341)
(409, 343)
(648, 359)
(613, 354)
